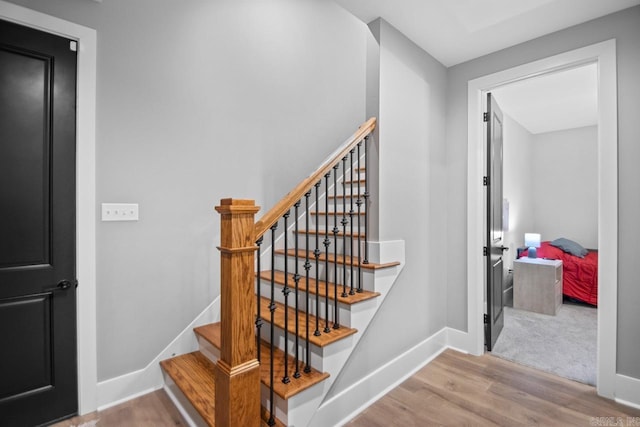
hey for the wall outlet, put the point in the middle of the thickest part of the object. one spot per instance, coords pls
(119, 211)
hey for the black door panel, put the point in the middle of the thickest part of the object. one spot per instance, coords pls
(38, 369)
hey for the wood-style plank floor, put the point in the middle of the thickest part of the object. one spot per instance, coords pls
(461, 390)
(153, 409)
(453, 390)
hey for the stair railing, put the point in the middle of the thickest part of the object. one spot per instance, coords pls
(237, 375)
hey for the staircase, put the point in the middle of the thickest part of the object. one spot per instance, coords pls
(288, 326)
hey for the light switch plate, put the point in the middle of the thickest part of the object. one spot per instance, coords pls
(120, 212)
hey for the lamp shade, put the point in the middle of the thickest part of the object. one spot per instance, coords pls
(532, 240)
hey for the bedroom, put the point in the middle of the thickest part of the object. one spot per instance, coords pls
(550, 188)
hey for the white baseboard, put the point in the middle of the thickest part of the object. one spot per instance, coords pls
(120, 389)
(627, 391)
(340, 408)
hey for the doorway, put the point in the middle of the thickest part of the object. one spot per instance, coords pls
(604, 55)
(550, 186)
(85, 189)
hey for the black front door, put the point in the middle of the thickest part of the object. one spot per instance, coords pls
(495, 244)
(38, 372)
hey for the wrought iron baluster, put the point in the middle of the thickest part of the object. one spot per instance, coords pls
(316, 253)
(336, 230)
(272, 309)
(359, 204)
(344, 227)
(258, 294)
(296, 279)
(327, 243)
(366, 204)
(351, 292)
(307, 267)
(285, 292)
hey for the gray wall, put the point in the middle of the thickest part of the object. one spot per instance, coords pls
(198, 100)
(411, 94)
(565, 188)
(518, 185)
(625, 27)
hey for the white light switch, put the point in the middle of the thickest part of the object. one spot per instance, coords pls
(119, 211)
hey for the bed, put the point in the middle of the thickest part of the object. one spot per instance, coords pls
(580, 274)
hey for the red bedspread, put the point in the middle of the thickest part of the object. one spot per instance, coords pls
(580, 275)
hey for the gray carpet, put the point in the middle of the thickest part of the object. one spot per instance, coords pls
(564, 344)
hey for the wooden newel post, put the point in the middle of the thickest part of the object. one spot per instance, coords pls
(237, 371)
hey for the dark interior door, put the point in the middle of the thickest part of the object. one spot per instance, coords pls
(495, 245)
(38, 373)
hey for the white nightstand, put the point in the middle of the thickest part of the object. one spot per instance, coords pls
(537, 285)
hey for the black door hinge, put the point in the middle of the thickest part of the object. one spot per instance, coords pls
(485, 117)
(485, 180)
(485, 251)
(486, 319)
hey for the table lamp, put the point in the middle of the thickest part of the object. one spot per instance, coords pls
(532, 241)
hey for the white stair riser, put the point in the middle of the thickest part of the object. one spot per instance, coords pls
(338, 242)
(344, 310)
(366, 279)
(319, 221)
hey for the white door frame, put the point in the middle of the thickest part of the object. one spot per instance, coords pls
(85, 189)
(604, 54)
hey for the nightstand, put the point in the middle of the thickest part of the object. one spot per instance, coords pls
(537, 285)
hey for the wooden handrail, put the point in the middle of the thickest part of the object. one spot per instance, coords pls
(287, 202)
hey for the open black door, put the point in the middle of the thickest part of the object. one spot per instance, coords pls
(38, 369)
(494, 318)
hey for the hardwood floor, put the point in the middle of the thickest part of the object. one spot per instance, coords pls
(457, 389)
(153, 409)
(454, 390)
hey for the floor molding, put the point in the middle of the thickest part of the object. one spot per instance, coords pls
(627, 391)
(340, 408)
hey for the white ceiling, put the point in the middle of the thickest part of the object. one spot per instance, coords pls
(563, 100)
(455, 31)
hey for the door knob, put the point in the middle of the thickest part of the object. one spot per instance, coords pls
(63, 285)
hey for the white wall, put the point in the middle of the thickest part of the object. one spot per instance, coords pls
(565, 187)
(411, 103)
(624, 27)
(517, 185)
(196, 101)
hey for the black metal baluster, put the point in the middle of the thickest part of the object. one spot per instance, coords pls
(366, 204)
(336, 313)
(307, 267)
(272, 309)
(296, 279)
(344, 227)
(316, 253)
(351, 291)
(359, 204)
(258, 317)
(285, 292)
(327, 243)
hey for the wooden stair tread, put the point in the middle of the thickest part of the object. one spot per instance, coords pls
(340, 233)
(322, 340)
(194, 374)
(264, 415)
(340, 213)
(322, 287)
(346, 196)
(355, 181)
(211, 333)
(342, 259)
